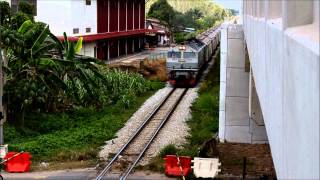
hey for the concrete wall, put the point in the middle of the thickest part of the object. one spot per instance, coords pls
(283, 45)
(63, 16)
(236, 122)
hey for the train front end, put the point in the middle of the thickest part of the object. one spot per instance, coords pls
(182, 66)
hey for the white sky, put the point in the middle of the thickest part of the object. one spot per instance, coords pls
(230, 4)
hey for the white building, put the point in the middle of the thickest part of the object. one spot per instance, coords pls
(282, 42)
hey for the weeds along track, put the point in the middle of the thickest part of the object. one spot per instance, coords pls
(130, 154)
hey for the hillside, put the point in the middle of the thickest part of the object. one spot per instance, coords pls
(208, 7)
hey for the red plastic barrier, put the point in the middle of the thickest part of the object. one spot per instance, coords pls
(172, 167)
(20, 163)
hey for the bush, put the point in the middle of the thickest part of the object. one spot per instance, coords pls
(69, 136)
(168, 150)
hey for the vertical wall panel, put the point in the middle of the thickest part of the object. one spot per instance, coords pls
(102, 50)
(136, 14)
(123, 15)
(136, 44)
(113, 16)
(130, 14)
(122, 46)
(142, 16)
(102, 16)
(129, 46)
(113, 48)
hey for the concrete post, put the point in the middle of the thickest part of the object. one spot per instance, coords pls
(223, 79)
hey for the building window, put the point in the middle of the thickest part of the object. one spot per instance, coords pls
(88, 30)
(75, 30)
(15, 5)
(88, 2)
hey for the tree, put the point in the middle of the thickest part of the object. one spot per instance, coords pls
(4, 12)
(42, 70)
(25, 13)
(177, 15)
(79, 70)
(164, 12)
(32, 75)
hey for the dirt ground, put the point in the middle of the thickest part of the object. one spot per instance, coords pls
(258, 158)
(151, 69)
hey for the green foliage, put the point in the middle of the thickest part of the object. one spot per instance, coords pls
(46, 75)
(26, 8)
(162, 11)
(177, 15)
(32, 76)
(123, 84)
(5, 12)
(18, 19)
(205, 112)
(181, 37)
(168, 150)
(154, 85)
(26, 12)
(75, 135)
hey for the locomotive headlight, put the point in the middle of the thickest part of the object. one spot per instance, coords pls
(182, 48)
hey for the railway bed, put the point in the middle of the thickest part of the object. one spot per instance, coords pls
(129, 155)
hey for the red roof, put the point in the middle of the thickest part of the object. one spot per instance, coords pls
(108, 35)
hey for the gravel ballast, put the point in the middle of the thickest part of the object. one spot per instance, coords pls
(174, 131)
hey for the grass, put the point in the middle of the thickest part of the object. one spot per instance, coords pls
(70, 138)
(204, 122)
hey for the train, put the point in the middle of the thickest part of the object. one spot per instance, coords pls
(186, 61)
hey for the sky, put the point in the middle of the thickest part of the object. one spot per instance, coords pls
(230, 4)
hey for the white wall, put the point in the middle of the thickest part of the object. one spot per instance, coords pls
(64, 15)
(284, 55)
(84, 16)
(88, 49)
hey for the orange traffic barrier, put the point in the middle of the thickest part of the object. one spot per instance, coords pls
(174, 168)
(17, 162)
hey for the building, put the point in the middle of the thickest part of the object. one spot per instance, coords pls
(270, 83)
(160, 35)
(110, 28)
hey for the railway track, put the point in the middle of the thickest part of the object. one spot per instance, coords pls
(129, 155)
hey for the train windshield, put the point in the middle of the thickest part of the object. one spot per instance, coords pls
(173, 54)
(188, 55)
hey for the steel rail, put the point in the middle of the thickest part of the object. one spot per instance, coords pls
(166, 118)
(154, 112)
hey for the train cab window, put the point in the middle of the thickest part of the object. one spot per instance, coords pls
(173, 55)
(189, 55)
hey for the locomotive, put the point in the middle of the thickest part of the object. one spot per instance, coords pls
(185, 62)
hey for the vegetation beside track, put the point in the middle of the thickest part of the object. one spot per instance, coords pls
(71, 136)
(204, 122)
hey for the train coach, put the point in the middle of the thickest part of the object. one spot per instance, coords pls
(185, 62)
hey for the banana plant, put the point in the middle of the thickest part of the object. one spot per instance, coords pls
(79, 69)
(32, 74)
